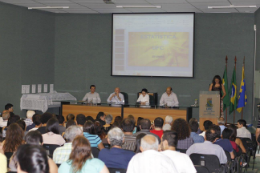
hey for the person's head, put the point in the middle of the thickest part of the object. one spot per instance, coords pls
(207, 124)
(32, 159)
(13, 119)
(118, 119)
(216, 129)
(145, 124)
(34, 137)
(53, 126)
(216, 80)
(115, 137)
(158, 122)
(168, 119)
(9, 107)
(149, 142)
(226, 134)
(45, 117)
(117, 90)
(128, 125)
(90, 118)
(70, 117)
(89, 127)
(194, 126)
(81, 152)
(169, 90)
(6, 116)
(221, 121)
(14, 138)
(81, 119)
(144, 91)
(108, 119)
(139, 119)
(241, 123)
(131, 117)
(60, 118)
(29, 114)
(169, 139)
(182, 128)
(210, 136)
(138, 142)
(70, 123)
(22, 124)
(92, 88)
(72, 132)
(234, 132)
(101, 116)
(192, 119)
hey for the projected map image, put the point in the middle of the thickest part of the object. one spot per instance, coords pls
(160, 49)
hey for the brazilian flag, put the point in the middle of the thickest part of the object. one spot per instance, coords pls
(233, 92)
(226, 99)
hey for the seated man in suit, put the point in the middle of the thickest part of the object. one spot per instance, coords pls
(92, 96)
(116, 97)
(169, 98)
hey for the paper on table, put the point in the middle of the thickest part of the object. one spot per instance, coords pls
(39, 88)
(45, 88)
(51, 88)
(33, 88)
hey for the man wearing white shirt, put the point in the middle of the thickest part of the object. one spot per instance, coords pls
(144, 97)
(169, 98)
(116, 97)
(92, 96)
(4, 119)
(181, 161)
(150, 160)
(242, 132)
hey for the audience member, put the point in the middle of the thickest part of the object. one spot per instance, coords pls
(182, 128)
(90, 118)
(81, 119)
(133, 119)
(70, 117)
(128, 127)
(206, 125)
(194, 119)
(139, 119)
(120, 156)
(209, 148)
(194, 128)
(9, 107)
(90, 134)
(61, 120)
(226, 134)
(29, 114)
(36, 121)
(118, 119)
(22, 124)
(44, 119)
(138, 142)
(101, 118)
(145, 125)
(52, 135)
(3, 159)
(4, 119)
(12, 119)
(168, 123)
(61, 154)
(181, 161)
(70, 123)
(99, 130)
(80, 159)
(158, 124)
(242, 132)
(108, 120)
(221, 123)
(234, 138)
(150, 160)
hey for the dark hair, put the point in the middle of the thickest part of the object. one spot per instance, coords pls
(216, 130)
(36, 119)
(138, 142)
(90, 118)
(89, 127)
(70, 123)
(194, 125)
(99, 130)
(139, 119)
(81, 119)
(21, 123)
(32, 159)
(60, 118)
(128, 125)
(226, 134)
(70, 117)
(118, 119)
(171, 137)
(145, 90)
(182, 128)
(234, 132)
(12, 119)
(14, 138)
(34, 137)
(117, 124)
(210, 136)
(158, 122)
(242, 122)
(8, 106)
(92, 86)
(145, 124)
(53, 126)
(216, 77)
(207, 124)
(45, 117)
(100, 114)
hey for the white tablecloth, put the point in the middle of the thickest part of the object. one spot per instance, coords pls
(43, 101)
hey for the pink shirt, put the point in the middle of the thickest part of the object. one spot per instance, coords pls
(52, 138)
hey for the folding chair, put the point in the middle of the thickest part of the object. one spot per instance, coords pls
(116, 170)
(181, 150)
(50, 149)
(201, 169)
(95, 151)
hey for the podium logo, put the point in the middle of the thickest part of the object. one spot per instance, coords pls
(209, 104)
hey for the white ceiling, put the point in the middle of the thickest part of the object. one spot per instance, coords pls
(98, 6)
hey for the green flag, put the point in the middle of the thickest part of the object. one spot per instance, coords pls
(226, 99)
(233, 92)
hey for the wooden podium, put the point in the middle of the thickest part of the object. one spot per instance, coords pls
(209, 107)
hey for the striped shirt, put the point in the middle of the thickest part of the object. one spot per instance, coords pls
(94, 140)
(61, 154)
(129, 142)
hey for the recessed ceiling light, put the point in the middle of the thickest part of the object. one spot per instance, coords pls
(138, 6)
(48, 7)
(232, 6)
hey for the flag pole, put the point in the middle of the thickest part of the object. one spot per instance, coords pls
(234, 114)
(226, 70)
(244, 71)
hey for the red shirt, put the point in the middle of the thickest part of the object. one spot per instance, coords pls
(234, 145)
(157, 132)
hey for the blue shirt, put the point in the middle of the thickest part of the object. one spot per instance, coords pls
(196, 138)
(30, 127)
(116, 157)
(222, 127)
(94, 140)
(225, 144)
(91, 165)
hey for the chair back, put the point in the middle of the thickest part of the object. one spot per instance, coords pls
(209, 161)
(95, 151)
(50, 149)
(201, 169)
(228, 156)
(116, 170)
(106, 146)
(125, 97)
(181, 150)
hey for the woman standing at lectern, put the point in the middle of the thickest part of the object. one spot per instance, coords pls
(216, 85)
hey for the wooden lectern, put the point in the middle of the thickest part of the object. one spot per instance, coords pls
(209, 107)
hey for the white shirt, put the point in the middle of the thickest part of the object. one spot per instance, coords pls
(3, 123)
(243, 133)
(144, 98)
(166, 127)
(151, 161)
(181, 161)
(203, 134)
(33, 129)
(92, 97)
(115, 99)
(170, 100)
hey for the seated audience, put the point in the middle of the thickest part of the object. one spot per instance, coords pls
(226, 134)
(194, 119)
(181, 161)
(168, 123)
(22, 124)
(44, 119)
(90, 118)
(133, 119)
(108, 120)
(221, 123)
(145, 126)
(118, 119)
(182, 128)
(235, 139)
(36, 121)
(81, 119)
(28, 121)
(99, 130)
(9, 107)
(158, 124)
(150, 160)
(52, 135)
(242, 132)
(194, 128)
(12, 119)
(61, 154)
(139, 119)
(101, 118)
(90, 133)
(128, 127)
(120, 156)
(4, 119)
(61, 120)
(206, 125)
(80, 159)
(70, 117)
(138, 142)
(207, 147)
(70, 123)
